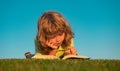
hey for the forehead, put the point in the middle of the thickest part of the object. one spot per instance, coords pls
(54, 34)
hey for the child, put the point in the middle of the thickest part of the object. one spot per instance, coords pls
(54, 36)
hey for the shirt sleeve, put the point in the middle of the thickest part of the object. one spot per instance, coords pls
(72, 43)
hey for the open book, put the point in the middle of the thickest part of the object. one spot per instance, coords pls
(64, 58)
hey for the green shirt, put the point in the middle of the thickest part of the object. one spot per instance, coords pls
(60, 52)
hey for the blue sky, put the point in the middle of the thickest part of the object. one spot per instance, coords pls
(96, 24)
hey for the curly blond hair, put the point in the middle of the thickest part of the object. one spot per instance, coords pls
(51, 23)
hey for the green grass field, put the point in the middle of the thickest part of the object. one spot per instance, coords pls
(58, 65)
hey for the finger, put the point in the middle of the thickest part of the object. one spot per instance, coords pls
(51, 44)
(48, 43)
(68, 48)
(67, 52)
(73, 51)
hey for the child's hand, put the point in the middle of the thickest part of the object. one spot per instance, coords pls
(71, 51)
(51, 44)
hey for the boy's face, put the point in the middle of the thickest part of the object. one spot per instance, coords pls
(54, 41)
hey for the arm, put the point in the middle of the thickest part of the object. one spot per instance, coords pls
(71, 50)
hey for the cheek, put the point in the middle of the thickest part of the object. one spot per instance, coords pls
(52, 40)
(61, 38)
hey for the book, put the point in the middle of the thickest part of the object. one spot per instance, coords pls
(39, 56)
(75, 57)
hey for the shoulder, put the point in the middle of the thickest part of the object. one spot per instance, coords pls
(72, 42)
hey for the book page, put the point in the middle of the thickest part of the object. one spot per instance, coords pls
(75, 57)
(44, 57)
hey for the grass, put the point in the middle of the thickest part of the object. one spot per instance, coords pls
(58, 65)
